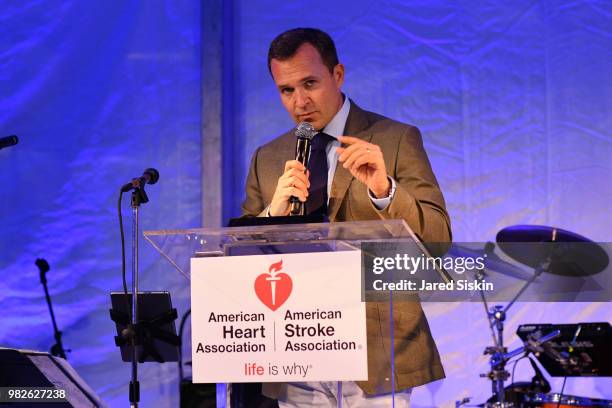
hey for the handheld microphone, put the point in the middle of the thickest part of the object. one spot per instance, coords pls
(304, 133)
(8, 141)
(150, 176)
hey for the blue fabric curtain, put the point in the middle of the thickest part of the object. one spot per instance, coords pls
(96, 92)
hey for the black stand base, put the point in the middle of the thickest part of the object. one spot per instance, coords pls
(248, 395)
(198, 395)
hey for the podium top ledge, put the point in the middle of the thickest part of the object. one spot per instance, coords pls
(180, 245)
(367, 229)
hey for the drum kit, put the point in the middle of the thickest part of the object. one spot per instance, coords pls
(563, 350)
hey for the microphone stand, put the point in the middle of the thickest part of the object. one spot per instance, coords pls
(57, 349)
(139, 196)
(133, 334)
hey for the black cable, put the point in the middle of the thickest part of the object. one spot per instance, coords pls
(514, 367)
(180, 351)
(562, 390)
(125, 290)
(180, 347)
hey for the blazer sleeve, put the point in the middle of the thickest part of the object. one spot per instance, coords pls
(253, 205)
(417, 199)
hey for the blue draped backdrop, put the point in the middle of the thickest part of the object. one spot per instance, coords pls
(513, 99)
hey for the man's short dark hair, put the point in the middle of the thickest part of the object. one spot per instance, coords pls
(285, 45)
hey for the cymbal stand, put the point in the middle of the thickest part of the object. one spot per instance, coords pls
(496, 317)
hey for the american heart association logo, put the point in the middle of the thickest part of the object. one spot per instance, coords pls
(273, 288)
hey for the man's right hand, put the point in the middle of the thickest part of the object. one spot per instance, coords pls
(294, 182)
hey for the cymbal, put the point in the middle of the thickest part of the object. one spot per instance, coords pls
(493, 263)
(570, 254)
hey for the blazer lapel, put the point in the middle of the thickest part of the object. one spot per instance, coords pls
(287, 150)
(356, 123)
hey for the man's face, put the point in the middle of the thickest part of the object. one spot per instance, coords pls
(309, 92)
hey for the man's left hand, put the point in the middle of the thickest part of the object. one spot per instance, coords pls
(365, 162)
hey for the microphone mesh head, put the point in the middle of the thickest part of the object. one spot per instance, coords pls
(305, 131)
(153, 174)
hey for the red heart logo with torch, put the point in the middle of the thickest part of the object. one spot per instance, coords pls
(273, 288)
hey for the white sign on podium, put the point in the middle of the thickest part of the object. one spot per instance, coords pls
(283, 317)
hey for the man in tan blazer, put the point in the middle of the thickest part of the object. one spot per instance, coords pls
(378, 169)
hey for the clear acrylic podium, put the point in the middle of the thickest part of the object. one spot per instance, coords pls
(179, 246)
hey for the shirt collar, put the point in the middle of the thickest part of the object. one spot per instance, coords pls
(336, 126)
